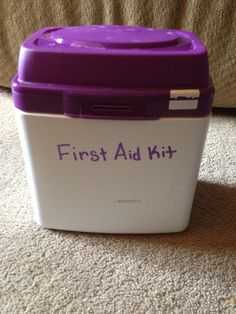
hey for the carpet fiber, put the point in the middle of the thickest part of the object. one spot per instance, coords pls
(46, 271)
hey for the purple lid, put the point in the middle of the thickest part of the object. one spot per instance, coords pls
(112, 37)
(110, 57)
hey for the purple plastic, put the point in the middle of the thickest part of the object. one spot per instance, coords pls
(113, 37)
(125, 71)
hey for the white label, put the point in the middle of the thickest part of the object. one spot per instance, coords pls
(184, 99)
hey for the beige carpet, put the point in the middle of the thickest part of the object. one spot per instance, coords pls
(45, 271)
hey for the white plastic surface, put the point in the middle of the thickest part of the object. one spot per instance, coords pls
(105, 192)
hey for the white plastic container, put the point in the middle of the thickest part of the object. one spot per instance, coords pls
(108, 157)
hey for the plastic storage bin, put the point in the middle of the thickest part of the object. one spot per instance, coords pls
(112, 121)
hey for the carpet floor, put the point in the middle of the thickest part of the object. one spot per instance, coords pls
(46, 271)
